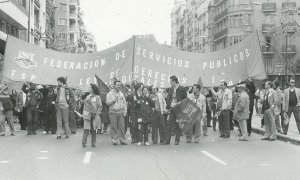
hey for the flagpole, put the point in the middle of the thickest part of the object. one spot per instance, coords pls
(133, 57)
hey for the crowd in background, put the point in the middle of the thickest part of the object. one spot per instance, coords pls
(61, 110)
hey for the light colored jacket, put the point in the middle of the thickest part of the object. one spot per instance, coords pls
(241, 107)
(227, 98)
(273, 100)
(280, 98)
(200, 102)
(116, 102)
(162, 102)
(286, 98)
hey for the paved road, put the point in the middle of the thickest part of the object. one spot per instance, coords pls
(42, 157)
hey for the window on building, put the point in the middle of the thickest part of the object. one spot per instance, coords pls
(63, 7)
(72, 37)
(62, 36)
(3, 26)
(8, 29)
(62, 21)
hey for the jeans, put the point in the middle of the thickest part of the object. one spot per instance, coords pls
(32, 118)
(62, 115)
(158, 125)
(9, 116)
(117, 127)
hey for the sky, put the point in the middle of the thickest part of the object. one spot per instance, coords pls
(114, 21)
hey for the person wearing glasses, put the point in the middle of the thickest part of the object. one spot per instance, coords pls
(291, 104)
(224, 105)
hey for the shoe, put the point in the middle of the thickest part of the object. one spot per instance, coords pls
(205, 134)
(139, 143)
(209, 126)
(188, 141)
(34, 133)
(73, 132)
(147, 144)
(58, 137)
(67, 137)
(221, 136)
(266, 138)
(12, 134)
(176, 142)
(249, 134)
(123, 143)
(272, 139)
(53, 132)
(2, 135)
(83, 145)
(196, 142)
(29, 133)
(44, 132)
(165, 143)
(242, 139)
(226, 136)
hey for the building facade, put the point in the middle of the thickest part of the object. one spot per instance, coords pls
(227, 22)
(90, 43)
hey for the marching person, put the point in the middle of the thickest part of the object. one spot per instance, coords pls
(279, 106)
(91, 114)
(20, 108)
(158, 120)
(269, 109)
(291, 104)
(241, 110)
(6, 111)
(224, 105)
(146, 114)
(176, 94)
(63, 102)
(200, 101)
(33, 100)
(134, 108)
(117, 110)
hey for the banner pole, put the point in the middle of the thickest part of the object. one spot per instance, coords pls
(133, 57)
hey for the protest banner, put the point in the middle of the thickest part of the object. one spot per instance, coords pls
(187, 112)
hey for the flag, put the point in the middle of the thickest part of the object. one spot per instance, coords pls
(103, 88)
(200, 82)
(187, 112)
(123, 88)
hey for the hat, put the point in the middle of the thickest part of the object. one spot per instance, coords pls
(39, 87)
(241, 85)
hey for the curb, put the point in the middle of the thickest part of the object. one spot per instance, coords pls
(280, 137)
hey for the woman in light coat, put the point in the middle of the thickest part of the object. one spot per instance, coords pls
(91, 114)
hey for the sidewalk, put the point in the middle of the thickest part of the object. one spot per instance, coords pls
(293, 135)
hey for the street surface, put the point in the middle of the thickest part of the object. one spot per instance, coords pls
(43, 157)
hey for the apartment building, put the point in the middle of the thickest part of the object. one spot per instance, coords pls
(227, 22)
(14, 18)
(90, 43)
(68, 22)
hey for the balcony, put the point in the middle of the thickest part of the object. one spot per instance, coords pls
(269, 7)
(221, 34)
(268, 50)
(267, 27)
(289, 5)
(221, 15)
(37, 3)
(288, 50)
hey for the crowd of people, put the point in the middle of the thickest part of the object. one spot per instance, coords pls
(61, 110)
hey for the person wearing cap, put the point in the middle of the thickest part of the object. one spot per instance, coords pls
(6, 111)
(241, 110)
(291, 104)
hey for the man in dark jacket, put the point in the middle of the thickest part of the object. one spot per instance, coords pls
(33, 100)
(175, 95)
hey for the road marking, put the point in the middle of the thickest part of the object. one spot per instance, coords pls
(43, 151)
(41, 158)
(87, 158)
(214, 158)
(264, 164)
(4, 162)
